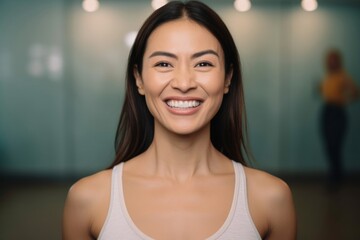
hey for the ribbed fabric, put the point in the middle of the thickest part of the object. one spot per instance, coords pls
(238, 224)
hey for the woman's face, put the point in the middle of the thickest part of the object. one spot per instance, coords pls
(183, 76)
(333, 61)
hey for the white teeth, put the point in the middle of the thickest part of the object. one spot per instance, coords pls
(182, 104)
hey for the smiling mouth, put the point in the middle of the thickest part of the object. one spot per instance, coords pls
(183, 104)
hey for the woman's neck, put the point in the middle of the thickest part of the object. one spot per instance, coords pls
(180, 157)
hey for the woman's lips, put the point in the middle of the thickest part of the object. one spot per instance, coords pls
(183, 106)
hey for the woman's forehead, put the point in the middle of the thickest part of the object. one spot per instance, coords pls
(182, 35)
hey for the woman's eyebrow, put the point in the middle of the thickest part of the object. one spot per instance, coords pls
(201, 53)
(195, 55)
(162, 53)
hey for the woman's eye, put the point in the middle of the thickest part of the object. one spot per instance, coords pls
(163, 64)
(204, 64)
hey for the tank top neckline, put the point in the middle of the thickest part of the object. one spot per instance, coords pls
(215, 235)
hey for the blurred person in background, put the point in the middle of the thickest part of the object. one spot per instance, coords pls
(180, 170)
(338, 90)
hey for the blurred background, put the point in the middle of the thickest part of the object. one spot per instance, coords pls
(62, 68)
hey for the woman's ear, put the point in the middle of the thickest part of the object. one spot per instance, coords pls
(139, 82)
(228, 78)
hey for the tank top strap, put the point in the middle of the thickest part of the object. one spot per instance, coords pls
(242, 200)
(114, 210)
(116, 184)
(243, 204)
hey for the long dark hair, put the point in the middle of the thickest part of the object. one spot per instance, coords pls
(135, 130)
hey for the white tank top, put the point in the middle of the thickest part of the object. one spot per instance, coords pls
(238, 224)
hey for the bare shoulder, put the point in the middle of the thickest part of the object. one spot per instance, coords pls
(88, 188)
(271, 205)
(268, 186)
(87, 201)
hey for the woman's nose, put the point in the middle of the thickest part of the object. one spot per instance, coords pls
(184, 79)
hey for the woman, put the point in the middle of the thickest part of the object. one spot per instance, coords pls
(180, 171)
(338, 90)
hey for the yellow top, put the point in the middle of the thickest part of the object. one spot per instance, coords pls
(338, 88)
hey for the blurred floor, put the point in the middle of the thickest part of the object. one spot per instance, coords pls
(33, 211)
(325, 213)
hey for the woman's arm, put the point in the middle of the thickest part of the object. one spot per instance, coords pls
(352, 90)
(271, 205)
(282, 217)
(77, 210)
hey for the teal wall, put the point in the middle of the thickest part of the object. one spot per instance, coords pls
(62, 81)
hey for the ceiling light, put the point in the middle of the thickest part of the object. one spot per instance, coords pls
(158, 3)
(242, 5)
(309, 5)
(90, 5)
